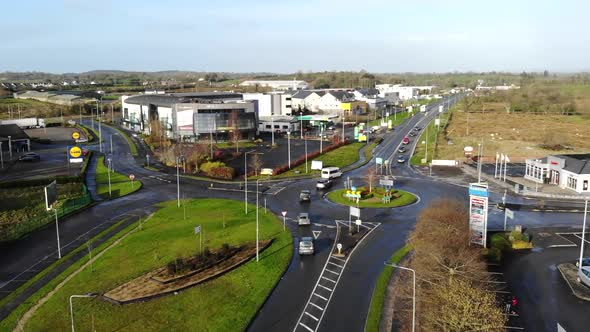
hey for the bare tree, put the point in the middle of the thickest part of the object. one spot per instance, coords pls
(195, 154)
(371, 175)
(256, 163)
(235, 134)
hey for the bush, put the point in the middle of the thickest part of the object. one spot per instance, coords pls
(208, 166)
(494, 254)
(499, 241)
(518, 244)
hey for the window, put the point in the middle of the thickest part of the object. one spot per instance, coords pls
(572, 183)
(277, 126)
(267, 126)
(285, 127)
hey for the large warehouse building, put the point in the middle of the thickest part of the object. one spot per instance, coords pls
(191, 115)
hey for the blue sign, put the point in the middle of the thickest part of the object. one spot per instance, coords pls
(475, 190)
(353, 188)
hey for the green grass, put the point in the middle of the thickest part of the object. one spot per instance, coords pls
(378, 300)
(47, 270)
(131, 142)
(120, 183)
(340, 157)
(396, 119)
(432, 134)
(222, 304)
(152, 168)
(231, 145)
(406, 198)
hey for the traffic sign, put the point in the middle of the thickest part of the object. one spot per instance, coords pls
(355, 212)
(379, 160)
(75, 135)
(284, 213)
(339, 247)
(509, 213)
(75, 152)
(132, 177)
(358, 222)
(316, 234)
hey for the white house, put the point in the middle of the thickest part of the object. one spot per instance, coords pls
(571, 171)
(371, 97)
(306, 99)
(332, 101)
(403, 92)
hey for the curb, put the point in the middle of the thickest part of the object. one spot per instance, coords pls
(559, 267)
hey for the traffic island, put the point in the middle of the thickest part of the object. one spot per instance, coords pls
(349, 240)
(569, 272)
(376, 198)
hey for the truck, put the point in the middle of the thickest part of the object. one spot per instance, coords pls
(26, 122)
(423, 108)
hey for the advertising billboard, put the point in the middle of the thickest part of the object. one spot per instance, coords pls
(478, 213)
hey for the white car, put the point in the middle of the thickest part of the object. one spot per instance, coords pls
(584, 275)
(401, 159)
(303, 219)
(306, 246)
(323, 184)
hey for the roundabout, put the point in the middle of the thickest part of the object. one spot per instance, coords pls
(377, 198)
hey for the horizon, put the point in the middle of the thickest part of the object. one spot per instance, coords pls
(287, 37)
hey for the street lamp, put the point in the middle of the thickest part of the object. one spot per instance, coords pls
(109, 174)
(413, 294)
(257, 231)
(178, 160)
(289, 147)
(246, 178)
(305, 140)
(72, 305)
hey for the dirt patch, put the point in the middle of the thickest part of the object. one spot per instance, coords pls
(157, 283)
(515, 134)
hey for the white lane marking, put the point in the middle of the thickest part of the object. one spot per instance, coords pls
(317, 306)
(338, 274)
(326, 288)
(579, 237)
(307, 327)
(340, 266)
(321, 297)
(312, 316)
(339, 259)
(328, 279)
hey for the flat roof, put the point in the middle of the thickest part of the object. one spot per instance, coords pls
(166, 100)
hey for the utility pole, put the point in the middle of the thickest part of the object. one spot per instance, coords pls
(178, 180)
(305, 140)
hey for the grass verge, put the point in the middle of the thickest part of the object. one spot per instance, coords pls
(378, 299)
(131, 142)
(9, 323)
(431, 134)
(396, 119)
(121, 185)
(405, 198)
(226, 303)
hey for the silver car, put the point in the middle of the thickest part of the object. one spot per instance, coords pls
(306, 246)
(584, 275)
(303, 219)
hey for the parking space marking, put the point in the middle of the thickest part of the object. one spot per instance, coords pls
(307, 327)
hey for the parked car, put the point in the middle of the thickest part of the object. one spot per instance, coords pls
(584, 275)
(305, 196)
(401, 149)
(30, 156)
(323, 184)
(303, 219)
(306, 246)
(401, 159)
(585, 262)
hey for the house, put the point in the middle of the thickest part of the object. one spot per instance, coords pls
(306, 100)
(331, 102)
(568, 171)
(277, 85)
(371, 97)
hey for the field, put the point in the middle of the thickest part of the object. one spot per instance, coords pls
(223, 304)
(120, 183)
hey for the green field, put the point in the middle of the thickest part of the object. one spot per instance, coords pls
(121, 185)
(405, 198)
(227, 303)
(340, 157)
(378, 300)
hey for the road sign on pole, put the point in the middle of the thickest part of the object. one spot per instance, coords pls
(339, 247)
(284, 213)
(355, 212)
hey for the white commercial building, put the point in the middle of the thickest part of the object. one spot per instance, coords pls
(278, 124)
(570, 171)
(277, 85)
(403, 92)
(371, 97)
(273, 103)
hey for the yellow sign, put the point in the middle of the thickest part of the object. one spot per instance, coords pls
(75, 152)
(75, 135)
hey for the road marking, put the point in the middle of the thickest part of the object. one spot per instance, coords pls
(312, 316)
(579, 237)
(321, 297)
(310, 330)
(328, 279)
(324, 287)
(317, 306)
(338, 274)
(340, 266)
(339, 259)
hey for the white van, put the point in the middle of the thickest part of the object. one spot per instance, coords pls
(331, 172)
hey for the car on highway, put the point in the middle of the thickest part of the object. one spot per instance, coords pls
(305, 196)
(30, 156)
(401, 159)
(417, 128)
(406, 140)
(323, 184)
(412, 134)
(306, 246)
(401, 149)
(584, 275)
(303, 219)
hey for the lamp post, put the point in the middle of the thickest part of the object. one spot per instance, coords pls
(178, 180)
(72, 305)
(413, 292)
(272, 131)
(257, 231)
(583, 235)
(246, 179)
(305, 140)
(1, 156)
(289, 147)
(109, 174)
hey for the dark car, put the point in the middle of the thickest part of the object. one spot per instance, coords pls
(401, 149)
(417, 128)
(30, 156)
(412, 134)
(305, 196)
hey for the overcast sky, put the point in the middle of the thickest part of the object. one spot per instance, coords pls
(286, 36)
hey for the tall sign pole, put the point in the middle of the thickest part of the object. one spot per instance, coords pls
(478, 213)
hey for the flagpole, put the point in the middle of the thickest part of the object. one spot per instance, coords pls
(505, 166)
(501, 162)
(496, 167)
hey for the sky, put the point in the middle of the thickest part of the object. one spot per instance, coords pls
(285, 36)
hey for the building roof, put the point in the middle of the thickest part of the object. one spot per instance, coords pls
(277, 118)
(176, 98)
(576, 163)
(12, 130)
(368, 92)
(341, 95)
